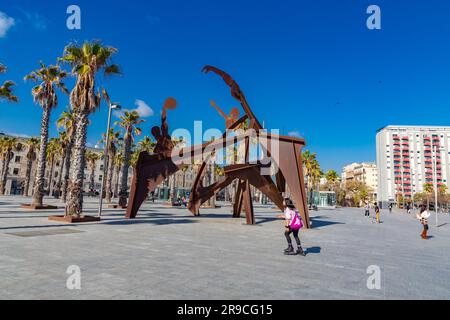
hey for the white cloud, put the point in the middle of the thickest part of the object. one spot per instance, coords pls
(5, 24)
(142, 109)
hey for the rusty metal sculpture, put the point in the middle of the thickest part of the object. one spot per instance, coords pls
(151, 170)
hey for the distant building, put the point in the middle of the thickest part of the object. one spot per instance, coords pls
(408, 157)
(365, 172)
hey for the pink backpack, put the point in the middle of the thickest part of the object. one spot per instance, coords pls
(296, 223)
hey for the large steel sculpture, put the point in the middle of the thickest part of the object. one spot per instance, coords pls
(151, 170)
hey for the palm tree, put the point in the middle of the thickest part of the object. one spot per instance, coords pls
(310, 165)
(146, 144)
(50, 78)
(6, 92)
(33, 146)
(86, 61)
(67, 122)
(332, 177)
(91, 159)
(63, 140)
(307, 159)
(428, 189)
(118, 162)
(8, 145)
(54, 151)
(113, 146)
(128, 122)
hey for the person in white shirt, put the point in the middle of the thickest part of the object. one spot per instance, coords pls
(423, 218)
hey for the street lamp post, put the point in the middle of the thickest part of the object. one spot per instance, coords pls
(105, 152)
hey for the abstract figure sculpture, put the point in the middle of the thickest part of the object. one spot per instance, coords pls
(151, 170)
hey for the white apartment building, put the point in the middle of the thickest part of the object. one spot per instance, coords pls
(409, 157)
(364, 172)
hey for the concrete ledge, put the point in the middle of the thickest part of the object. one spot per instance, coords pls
(72, 219)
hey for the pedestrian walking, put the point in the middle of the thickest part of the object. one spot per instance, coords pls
(390, 207)
(367, 210)
(377, 213)
(423, 219)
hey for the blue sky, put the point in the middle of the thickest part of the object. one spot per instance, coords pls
(310, 67)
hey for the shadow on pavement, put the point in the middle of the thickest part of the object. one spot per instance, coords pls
(322, 223)
(313, 250)
(149, 221)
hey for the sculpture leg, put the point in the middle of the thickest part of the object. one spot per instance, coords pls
(248, 204)
(237, 207)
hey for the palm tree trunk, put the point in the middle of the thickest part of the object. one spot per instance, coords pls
(92, 181)
(5, 174)
(74, 203)
(50, 180)
(40, 172)
(116, 186)
(109, 176)
(67, 158)
(28, 177)
(58, 183)
(126, 165)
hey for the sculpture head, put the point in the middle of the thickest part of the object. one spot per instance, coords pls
(234, 113)
(170, 104)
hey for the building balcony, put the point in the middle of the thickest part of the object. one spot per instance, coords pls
(427, 144)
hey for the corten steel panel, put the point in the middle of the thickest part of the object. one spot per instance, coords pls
(288, 160)
(150, 172)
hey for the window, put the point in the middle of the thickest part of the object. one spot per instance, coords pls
(16, 171)
(100, 178)
(101, 167)
(17, 160)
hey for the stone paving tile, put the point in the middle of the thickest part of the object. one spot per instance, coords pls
(168, 254)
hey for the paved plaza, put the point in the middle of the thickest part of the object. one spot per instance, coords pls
(166, 253)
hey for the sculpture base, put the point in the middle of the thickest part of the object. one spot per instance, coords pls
(73, 219)
(36, 207)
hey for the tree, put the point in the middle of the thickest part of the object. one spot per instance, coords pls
(7, 146)
(92, 158)
(357, 192)
(86, 61)
(33, 146)
(50, 78)
(332, 178)
(6, 92)
(128, 122)
(63, 141)
(54, 152)
(146, 144)
(118, 162)
(113, 146)
(428, 189)
(310, 169)
(67, 122)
